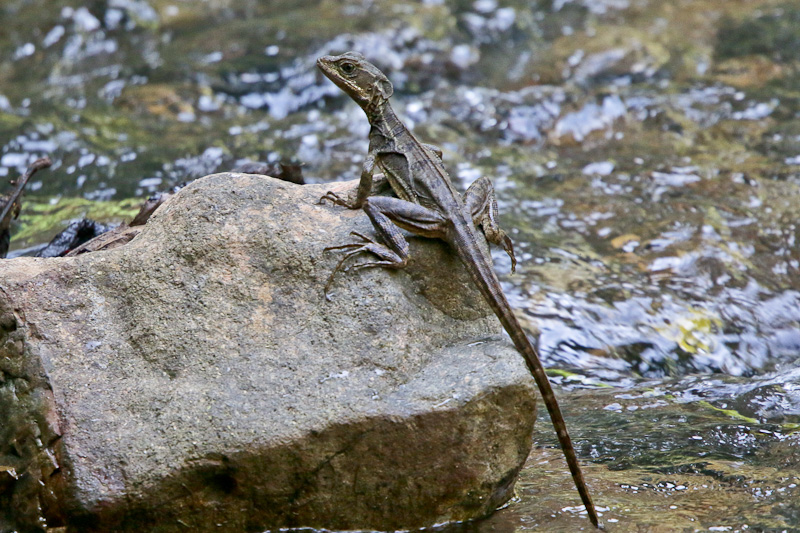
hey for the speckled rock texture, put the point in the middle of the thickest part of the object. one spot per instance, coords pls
(196, 379)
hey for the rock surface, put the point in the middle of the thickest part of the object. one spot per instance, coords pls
(197, 378)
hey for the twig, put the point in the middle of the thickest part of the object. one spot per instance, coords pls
(37, 165)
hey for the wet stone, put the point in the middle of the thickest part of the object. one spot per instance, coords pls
(197, 376)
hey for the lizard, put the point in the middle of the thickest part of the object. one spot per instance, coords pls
(428, 204)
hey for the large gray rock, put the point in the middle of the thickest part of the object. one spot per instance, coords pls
(197, 378)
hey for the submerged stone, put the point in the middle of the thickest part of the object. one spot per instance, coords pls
(197, 377)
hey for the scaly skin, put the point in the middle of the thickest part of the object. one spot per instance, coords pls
(428, 205)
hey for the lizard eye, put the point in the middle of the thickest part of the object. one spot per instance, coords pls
(348, 68)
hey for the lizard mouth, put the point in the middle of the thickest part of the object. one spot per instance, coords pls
(325, 64)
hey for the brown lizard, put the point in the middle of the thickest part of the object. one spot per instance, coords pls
(429, 205)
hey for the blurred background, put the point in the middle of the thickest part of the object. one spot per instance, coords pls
(646, 155)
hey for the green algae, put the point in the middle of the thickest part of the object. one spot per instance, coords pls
(774, 33)
(730, 412)
(694, 331)
(574, 376)
(39, 219)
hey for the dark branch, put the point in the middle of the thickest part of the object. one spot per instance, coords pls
(13, 200)
(37, 165)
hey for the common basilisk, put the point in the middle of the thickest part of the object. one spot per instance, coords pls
(428, 204)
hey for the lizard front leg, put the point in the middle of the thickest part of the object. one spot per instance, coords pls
(363, 191)
(388, 215)
(482, 204)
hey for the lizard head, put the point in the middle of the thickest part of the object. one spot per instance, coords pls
(360, 79)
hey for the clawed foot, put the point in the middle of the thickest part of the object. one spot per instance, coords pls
(388, 258)
(497, 236)
(331, 196)
(509, 248)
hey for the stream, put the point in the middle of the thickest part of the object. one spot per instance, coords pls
(646, 156)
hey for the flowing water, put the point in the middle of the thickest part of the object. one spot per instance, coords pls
(646, 154)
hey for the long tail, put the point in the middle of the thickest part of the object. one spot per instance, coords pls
(485, 279)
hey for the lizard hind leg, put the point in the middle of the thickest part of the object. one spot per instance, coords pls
(482, 204)
(388, 216)
(387, 257)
